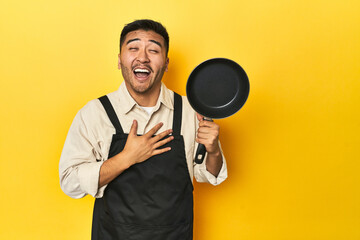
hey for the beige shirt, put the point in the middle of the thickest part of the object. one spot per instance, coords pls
(88, 141)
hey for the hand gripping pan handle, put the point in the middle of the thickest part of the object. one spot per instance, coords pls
(201, 150)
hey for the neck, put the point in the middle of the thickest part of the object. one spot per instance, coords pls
(147, 99)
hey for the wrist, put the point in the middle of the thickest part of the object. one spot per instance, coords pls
(123, 161)
(215, 153)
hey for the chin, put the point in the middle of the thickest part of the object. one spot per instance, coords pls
(142, 89)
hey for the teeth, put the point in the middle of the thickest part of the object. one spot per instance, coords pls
(142, 70)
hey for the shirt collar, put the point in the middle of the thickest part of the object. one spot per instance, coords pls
(127, 103)
(166, 97)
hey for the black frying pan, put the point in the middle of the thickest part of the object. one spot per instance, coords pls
(216, 88)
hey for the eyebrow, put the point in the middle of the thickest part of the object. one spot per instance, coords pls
(132, 40)
(138, 39)
(156, 42)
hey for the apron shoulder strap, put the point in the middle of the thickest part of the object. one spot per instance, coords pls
(111, 114)
(177, 114)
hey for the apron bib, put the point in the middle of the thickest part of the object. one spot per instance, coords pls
(152, 200)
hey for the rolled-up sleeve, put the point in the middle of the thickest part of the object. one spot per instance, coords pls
(203, 175)
(78, 168)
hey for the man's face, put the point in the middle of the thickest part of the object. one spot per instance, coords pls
(143, 61)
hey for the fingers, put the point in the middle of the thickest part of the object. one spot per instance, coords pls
(162, 150)
(208, 134)
(206, 138)
(155, 140)
(163, 142)
(133, 129)
(206, 127)
(199, 117)
(156, 147)
(162, 135)
(158, 140)
(152, 131)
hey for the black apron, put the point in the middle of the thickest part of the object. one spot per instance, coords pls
(152, 200)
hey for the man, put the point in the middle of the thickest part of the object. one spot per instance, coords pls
(142, 181)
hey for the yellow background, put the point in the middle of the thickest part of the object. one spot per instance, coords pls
(293, 150)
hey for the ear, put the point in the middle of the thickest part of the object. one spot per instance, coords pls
(119, 62)
(167, 64)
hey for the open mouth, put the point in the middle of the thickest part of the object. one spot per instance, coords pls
(141, 72)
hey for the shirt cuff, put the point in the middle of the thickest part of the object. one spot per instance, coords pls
(203, 175)
(89, 178)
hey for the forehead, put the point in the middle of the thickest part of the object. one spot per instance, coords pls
(146, 36)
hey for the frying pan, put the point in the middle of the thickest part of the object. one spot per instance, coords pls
(216, 88)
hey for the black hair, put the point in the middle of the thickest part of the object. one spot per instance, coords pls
(147, 25)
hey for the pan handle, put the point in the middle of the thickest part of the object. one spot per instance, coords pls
(201, 150)
(200, 154)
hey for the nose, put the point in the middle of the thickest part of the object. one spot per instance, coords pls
(143, 56)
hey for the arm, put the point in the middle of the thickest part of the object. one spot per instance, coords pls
(78, 167)
(214, 163)
(208, 134)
